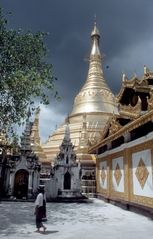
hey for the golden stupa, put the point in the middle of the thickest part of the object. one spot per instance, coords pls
(92, 107)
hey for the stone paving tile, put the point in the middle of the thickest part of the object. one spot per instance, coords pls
(96, 219)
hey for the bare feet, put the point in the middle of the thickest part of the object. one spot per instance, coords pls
(44, 228)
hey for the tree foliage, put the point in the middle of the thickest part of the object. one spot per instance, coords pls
(24, 73)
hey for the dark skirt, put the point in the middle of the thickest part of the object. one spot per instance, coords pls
(44, 209)
(39, 216)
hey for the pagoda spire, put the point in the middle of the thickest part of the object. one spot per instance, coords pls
(95, 77)
(25, 138)
(95, 95)
(67, 132)
(35, 137)
(95, 36)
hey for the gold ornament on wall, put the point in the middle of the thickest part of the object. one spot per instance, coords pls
(142, 173)
(103, 175)
(117, 174)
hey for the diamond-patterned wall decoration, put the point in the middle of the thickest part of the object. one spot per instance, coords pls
(142, 173)
(117, 174)
(103, 174)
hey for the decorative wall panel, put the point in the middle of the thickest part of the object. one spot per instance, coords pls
(118, 174)
(142, 173)
(103, 174)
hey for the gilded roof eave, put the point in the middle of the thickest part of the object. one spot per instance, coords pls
(135, 84)
(128, 127)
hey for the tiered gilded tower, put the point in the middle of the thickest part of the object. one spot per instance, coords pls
(92, 107)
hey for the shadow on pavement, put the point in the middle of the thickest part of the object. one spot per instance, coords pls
(48, 232)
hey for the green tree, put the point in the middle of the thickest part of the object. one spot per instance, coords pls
(24, 73)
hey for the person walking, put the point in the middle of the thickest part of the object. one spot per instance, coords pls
(44, 219)
(39, 210)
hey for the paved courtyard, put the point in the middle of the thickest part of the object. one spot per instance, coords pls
(95, 220)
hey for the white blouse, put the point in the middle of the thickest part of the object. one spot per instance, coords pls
(39, 200)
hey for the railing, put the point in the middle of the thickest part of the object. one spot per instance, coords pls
(88, 187)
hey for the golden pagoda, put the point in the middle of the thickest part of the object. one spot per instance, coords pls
(92, 107)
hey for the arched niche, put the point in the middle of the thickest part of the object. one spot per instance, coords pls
(67, 181)
(21, 184)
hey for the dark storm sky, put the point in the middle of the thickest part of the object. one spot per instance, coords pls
(126, 28)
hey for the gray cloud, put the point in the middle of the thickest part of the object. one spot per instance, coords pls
(126, 40)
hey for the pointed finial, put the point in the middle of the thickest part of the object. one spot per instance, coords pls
(146, 70)
(67, 132)
(123, 77)
(95, 31)
(95, 20)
